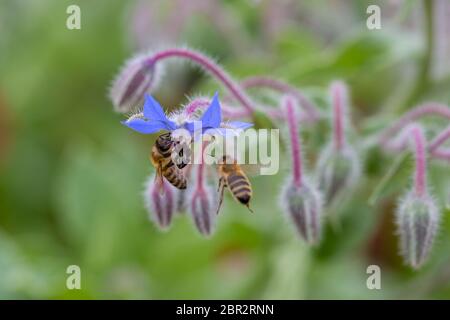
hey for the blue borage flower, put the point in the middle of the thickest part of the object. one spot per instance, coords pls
(154, 120)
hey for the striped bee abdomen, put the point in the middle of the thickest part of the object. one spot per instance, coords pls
(240, 187)
(175, 176)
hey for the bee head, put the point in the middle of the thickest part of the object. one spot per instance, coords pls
(228, 160)
(181, 136)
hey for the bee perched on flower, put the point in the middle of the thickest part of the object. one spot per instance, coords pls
(153, 119)
(171, 152)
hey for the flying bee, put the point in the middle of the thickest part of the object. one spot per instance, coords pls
(164, 152)
(234, 178)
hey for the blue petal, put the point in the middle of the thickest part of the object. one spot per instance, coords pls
(154, 112)
(239, 125)
(213, 115)
(170, 125)
(222, 132)
(189, 126)
(145, 127)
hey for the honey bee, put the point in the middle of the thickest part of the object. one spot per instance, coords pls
(234, 178)
(162, 160)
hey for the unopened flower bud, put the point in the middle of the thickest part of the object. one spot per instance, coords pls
(161, 201)
(136, 77)
(417, 222)
(303, 205)
(181, 201)
(337, 170)
(202, 208)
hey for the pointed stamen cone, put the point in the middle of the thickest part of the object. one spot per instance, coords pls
(303, 207)
(417, 224)
(136, 77)
(161, 201)
(337, 171)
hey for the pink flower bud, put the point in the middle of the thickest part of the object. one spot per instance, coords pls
(136, 77)
(337, 171)
(181, 201)
(417, 222)
(161, 201)
(303, 206)
(201, 198)
(202, 207)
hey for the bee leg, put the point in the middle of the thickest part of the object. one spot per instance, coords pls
(221, 189)
(248, 207)
(159, 180)
(220, 184)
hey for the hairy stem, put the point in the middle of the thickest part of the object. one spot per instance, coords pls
(418, 138)
(338, 101)
(228, 111)
(210, 66)
(419, 112)
(439, 139)
(292, 123)
(194, 105)
(285, 88)
(443, 154)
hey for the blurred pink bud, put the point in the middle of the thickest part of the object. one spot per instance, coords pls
(201, 200)
(337, 171)
(136, 77)
(417, 222)
(181, 201)
(161, 201)
(303, 206)
(202, 208)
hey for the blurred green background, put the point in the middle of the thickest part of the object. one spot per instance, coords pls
(71, 176)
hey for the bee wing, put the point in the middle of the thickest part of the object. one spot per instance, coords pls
(210, 171)
(251, 170)
(159, 180)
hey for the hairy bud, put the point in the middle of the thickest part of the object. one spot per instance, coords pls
(417, 222)
(136, 77)
(181, 201)
(161, 201)
(303, 205)
(202, 208)
(337, 170)
(201, 200)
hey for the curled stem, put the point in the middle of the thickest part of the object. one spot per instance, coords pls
(414, 134)
(195, 104)
(285, 88)
(210, 66)
(416, 113)
(443, 154)
(439, 139)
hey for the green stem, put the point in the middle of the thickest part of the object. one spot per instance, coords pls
(423, 74)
